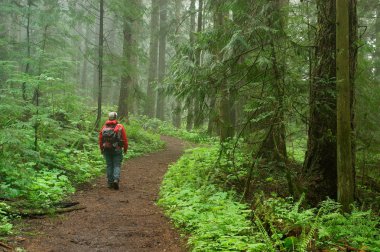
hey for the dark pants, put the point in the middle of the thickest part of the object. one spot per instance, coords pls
(113, 159)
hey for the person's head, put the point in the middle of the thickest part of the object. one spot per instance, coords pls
(112, 116)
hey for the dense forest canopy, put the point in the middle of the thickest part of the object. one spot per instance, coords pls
(290, 88)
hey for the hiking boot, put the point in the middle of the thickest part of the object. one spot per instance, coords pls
(116, 184)
(110, 186)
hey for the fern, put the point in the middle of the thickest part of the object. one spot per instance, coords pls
(264, 234)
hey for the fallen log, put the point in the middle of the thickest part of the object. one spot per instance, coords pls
(71, 209)
(43, 212)
(66, 204)
(6, 246)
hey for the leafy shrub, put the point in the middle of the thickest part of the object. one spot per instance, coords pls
(5, 226)
(166, 128)
(359, 229)
(194, 195)
(215, 220)
(48, 187)
(81, 165)
(140, 140)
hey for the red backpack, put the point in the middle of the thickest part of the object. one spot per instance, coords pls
(111, 136)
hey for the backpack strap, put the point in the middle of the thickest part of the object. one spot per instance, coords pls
(117, 130)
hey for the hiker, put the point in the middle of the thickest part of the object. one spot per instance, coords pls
(112, 141)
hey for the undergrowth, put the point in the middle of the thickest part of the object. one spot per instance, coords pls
(166, 128)
(44, 159)
(5, 226)
(195, 197)
(214, 219)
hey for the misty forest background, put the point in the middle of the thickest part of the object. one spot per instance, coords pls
(252, 80)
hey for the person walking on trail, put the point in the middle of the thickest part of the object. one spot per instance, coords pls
(112, 142)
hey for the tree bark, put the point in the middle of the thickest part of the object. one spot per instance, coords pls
(85, 60)
(160, 111)
(4, 36)
(100, 64)
(153, 64)
(377, 50)
(212, 117)
(190, 113)
(353, 35)
(95, 68)
(320, 158)
(126, 79)
(177, 112)
(346, 181)
(225, 123)
(134, 97)
(28, 48)
(190, 103)
(198, 106)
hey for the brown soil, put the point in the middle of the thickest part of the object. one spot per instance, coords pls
(124, 220)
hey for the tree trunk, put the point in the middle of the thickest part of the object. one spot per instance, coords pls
(126, 79)
(134, 97)
(95, 69)
(85, 60)
(346, 181)
(320, 157)
(177, 113)
(198, 105)
(213, 116)
(28, 46)
(377, 50)
(4, 36)
(100, 64)
(353, 62)
(190, 100)
(225, 124)
(190, 114)
(153, 57)
(160, 112)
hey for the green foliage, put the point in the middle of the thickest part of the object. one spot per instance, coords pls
(5, 226)
(81, 165)
(166, 128)
(49, 148)
(140, 140)
(290, 227)
(48, 187)
(360, 229)
(214, 219)
(195, 196)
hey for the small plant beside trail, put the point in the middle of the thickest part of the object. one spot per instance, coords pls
(196, 194)
(5, 226)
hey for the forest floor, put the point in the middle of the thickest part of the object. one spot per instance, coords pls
(124, 220)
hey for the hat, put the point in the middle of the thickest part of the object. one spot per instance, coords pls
(112, 116)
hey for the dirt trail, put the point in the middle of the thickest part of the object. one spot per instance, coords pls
(124, 220)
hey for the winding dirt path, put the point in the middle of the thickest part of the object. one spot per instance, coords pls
(124, 220)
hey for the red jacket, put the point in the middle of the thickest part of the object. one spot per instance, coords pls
(117, 127)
